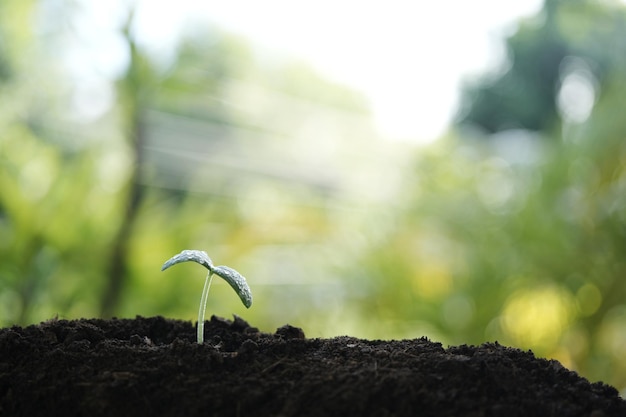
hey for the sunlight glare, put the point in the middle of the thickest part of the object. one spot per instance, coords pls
(408, 58)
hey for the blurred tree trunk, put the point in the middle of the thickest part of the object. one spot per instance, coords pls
(132, 95)
(117, 273)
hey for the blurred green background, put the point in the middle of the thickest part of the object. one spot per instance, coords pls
(510, 227)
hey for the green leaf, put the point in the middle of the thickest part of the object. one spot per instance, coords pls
(237, 281)
(234, 278)
(198, 256)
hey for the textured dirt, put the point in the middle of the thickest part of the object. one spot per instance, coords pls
(152, 366)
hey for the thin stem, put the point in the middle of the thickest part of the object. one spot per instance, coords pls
(205, 295)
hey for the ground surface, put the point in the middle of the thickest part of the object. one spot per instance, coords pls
(152, 366)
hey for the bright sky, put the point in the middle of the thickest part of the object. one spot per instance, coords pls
(407, 56)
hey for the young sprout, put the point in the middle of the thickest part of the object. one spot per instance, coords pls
(234, 278)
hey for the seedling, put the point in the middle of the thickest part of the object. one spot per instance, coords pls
(234, 278)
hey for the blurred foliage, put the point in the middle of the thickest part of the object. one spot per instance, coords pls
(517, 236)
(211, 151)
(520, 94)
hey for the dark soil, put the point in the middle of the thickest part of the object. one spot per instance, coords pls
(153, 367)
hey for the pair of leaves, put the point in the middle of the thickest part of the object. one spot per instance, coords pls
(234, 278)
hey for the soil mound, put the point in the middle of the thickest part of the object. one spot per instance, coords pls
(152, 366)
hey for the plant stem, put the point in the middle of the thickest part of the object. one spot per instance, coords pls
(205, 295)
